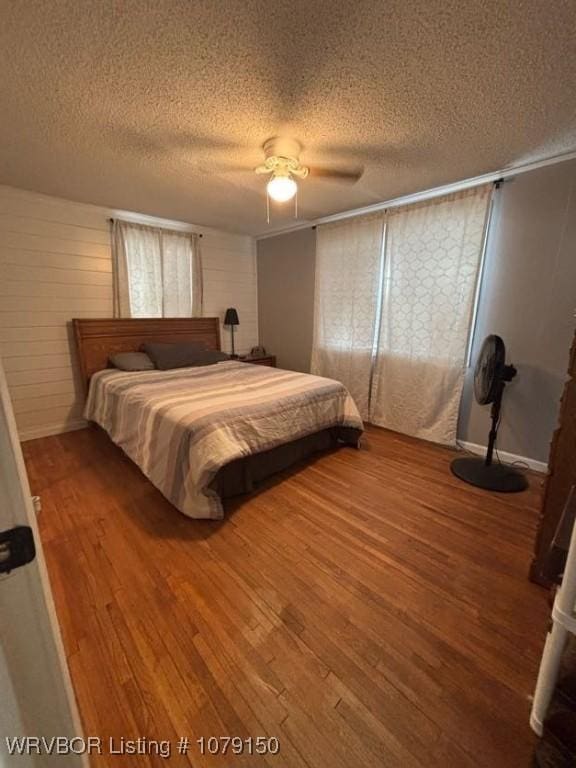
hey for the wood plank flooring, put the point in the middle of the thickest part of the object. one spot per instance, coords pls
(368, 609)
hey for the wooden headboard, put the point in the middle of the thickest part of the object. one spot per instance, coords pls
(98, 339)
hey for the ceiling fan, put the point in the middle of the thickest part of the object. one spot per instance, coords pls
(283, 164)
(281, 159)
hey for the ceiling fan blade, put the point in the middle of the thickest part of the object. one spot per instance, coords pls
(228, 168)
(196, 141)
(347, 175)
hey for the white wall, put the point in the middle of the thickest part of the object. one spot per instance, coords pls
(55, 264)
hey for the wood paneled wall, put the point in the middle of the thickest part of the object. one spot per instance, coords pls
(55, 264)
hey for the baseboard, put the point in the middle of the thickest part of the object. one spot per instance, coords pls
(45, 430)
(507, 458)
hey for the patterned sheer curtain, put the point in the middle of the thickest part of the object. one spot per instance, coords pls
(348, 262)
(431, 262)
(157, 272)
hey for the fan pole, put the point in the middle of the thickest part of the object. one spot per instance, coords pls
(495, 415)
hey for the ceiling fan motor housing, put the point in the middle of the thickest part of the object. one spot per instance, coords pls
(282, 158)
(279, 146)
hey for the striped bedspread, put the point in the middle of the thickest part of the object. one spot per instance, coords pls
(181, 426)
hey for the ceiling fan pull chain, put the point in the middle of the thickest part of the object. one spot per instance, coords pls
(267, 207)
(296, 204)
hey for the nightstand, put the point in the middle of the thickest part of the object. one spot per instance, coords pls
(269, 360)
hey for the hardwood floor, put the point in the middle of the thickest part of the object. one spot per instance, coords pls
(367, 610)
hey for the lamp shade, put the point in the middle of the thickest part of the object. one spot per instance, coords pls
(231, 317)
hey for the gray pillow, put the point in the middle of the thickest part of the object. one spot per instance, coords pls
(132, 361)
(181, 355)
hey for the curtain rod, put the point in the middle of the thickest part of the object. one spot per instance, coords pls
(497, 184)
(111, 221)
(507, 174)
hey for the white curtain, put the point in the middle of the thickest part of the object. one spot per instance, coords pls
(348, 260)
(157, 272)
(431, 260)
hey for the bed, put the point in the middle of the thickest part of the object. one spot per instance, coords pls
(205, 433)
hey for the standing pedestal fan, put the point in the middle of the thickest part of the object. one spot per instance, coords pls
(490, 377)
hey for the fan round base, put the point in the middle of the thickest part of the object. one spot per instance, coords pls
(495, 477)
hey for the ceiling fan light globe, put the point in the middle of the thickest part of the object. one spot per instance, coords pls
(281, 188)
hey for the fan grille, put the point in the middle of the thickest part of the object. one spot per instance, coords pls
(489, 368)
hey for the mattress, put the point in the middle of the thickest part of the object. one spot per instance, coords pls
(181, 427)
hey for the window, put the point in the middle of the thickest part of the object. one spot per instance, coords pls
(394, 301)
(157, 272)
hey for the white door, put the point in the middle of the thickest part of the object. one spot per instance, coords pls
(36, 698)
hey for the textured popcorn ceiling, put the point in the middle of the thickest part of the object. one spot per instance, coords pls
(149, 106)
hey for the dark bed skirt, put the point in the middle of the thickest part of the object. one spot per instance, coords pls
(243, 475)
